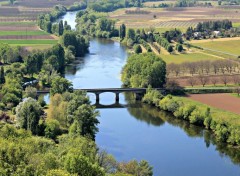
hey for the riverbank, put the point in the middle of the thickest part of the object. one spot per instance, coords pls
(224, 124)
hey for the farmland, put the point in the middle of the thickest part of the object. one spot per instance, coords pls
(221, 101)
(18, 22)
(174, 17)
(29, 42)
(229, 46)
(191, 57)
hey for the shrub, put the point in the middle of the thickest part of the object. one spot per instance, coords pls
(137, 49)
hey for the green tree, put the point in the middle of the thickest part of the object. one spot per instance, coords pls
(131, 34)
(28, 114)
(85, 120)
(60, 28)
(179, 48)
(80, 165)
(52, 129)
(2, 75)
(60, 85)
(170, 49)
(30, 92)
(137, 49)
(142, 70)
(122, 32)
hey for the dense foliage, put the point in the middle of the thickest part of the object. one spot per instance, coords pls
(224, 130)
(111, 5)
(47, 22)
(214, 25)
(142, 70)
(96, 24)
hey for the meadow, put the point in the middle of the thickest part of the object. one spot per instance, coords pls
(20, 33)
(188, 57)
(228, 46)
(29, 42)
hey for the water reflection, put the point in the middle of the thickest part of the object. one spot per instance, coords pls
(154, 116)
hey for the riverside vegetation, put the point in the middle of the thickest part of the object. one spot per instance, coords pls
(63, 133)
(58, 137)
(141, 70)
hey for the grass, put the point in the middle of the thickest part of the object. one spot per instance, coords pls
(235, 95)
(231, 46)
(191, 57)
(29, 42)
(4, 3)
(236, 24)
(217, 114)
(23, 33)
(27, 23)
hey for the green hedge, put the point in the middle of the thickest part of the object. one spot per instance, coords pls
(225, 125)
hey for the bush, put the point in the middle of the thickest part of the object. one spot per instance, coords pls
(137, 49)
(152, 97)
(52, 129)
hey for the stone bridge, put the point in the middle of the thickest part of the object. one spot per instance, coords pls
(139, 92)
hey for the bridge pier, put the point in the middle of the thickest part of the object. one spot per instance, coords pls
(138, 96)
(97, 98)
(117, 97)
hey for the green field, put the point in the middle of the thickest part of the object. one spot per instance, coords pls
(236, 24)
(28, 23)
(191, 57)
(23, 33)
(29, 42)
(4, 3)
(230, 46)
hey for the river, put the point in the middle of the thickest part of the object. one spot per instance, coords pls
(173, 147)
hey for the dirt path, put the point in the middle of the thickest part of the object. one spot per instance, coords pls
(216, 40)
(222, 101)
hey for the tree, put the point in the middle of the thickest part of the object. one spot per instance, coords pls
(30, 92)
(192, 81)
(203, 79)
(131, 34)
(225, 79)
(52, 129)
(60, 28)
(137, 49)
(179, 48)
(28, 114)
(60, 85)
(135, 168)
(85, 121)
(31, 65)
(237, 90)
(122, 32)
(2, 75)
(236, 79)
(143, 70)
(214, 80)
(170, 49)
(76, 163)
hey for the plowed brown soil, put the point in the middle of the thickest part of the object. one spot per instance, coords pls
(222, 101)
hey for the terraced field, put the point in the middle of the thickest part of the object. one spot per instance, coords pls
(18, 22)
(174, 17)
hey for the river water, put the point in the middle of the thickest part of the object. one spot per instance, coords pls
(136, 131)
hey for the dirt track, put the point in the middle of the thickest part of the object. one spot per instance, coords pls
(222, 101)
